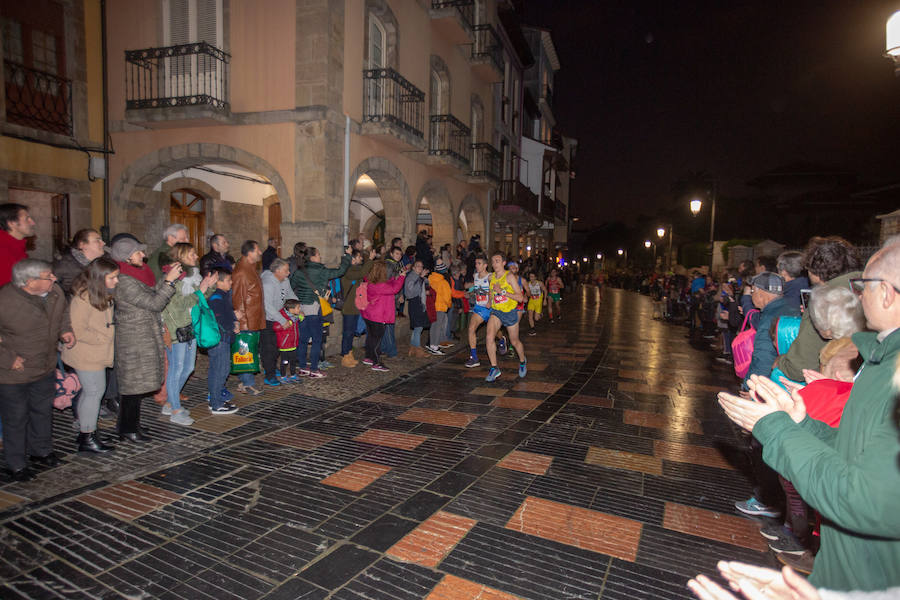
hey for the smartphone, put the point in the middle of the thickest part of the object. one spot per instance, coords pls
(804, 298)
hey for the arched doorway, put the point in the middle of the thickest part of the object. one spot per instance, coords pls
(434, 204)
(188, 207)
(471, 214)
(380, 202)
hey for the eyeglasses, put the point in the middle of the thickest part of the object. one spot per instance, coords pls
(51, 278)
(858, 284)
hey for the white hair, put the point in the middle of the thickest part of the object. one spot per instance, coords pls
(172, 230)
(836, 309)
(27, 269)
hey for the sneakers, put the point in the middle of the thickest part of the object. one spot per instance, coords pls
(380, 368)
(755, 508)
(502, 345)
(368, 362)
(773, 532)
(225, 409)
(324, 364)
(435, 350)
(252, 391)
(303, 372)
(271, 381)
(167, 409)
(532, 331)
(290, 379)
(473, 362)
(446, 344)
(181, 417)
(523, 369)
(787, 543)
(802, 562)
(493, 374)
(316, 374)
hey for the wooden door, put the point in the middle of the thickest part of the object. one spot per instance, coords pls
(275, 222)
(189, 208)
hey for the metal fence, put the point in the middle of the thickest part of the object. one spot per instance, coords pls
(389, 98)
(449, 137)
(37, 99)
(184, 75)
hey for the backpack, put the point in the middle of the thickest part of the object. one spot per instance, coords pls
(362, 296)
(67, 386)
(742, 346)
(203, 321)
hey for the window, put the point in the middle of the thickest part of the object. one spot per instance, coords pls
(43, 51)
(436, 99)
(477, 121)
(376, 43)
(12, 41)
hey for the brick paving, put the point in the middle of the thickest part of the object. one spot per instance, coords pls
(608, 472)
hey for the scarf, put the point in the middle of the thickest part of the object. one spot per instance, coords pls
(142, 273)
(79, 256)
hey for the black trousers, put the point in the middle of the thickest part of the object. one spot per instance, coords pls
(374, 333)
(268, 349)
(130, 413)
(27, 413)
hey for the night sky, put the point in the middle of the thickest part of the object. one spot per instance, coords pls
(656, 90)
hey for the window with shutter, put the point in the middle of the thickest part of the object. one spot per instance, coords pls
(188, 22)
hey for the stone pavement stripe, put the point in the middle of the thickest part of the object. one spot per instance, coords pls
(516, 403)
(455, 588)
(7, 499)
(617, 459)
(218, 423)
(392, 439)
(129, 500)
(730, 529)
(298, 438)
(430, 542)
(592, 400)
(688, 453)
(394, 399)
(438, 417)
(627, 581)
(387, 579)
(488, 391)
(527, 462)
(660, 421)
(580, 527)
(356, 476)
(536, 386)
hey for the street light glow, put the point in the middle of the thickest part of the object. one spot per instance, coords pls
(620, 251)
(695, 206)
(892, 36)
(660, 232)
(599, 256)
(528, 248)
(647, 244)
(584, 259)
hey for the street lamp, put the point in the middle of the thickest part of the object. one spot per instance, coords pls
(647, 244)
(892, 41)
(621, 252)
(696, 204)
(661, 232)
(584, 259)
(599, 255)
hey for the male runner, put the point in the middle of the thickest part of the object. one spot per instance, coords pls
(481, 307)
(536, 292)
(505, 296)
(554, 287)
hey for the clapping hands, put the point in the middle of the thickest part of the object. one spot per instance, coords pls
(767, 397)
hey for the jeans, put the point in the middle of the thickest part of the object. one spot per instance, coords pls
(182, 357)
(219, 368)
(268, 350)
(439, 329)
(415, 338)
(348, 332)
(389, 342)
(93, 384)
(27, 413)
(451, 321)
(374, 331)
(310, 328)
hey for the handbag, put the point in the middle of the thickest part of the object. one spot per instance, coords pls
(323, 300)
(67, 386)
(184, 334)
(245, 352)
(203, 321)
(742, 346)
(337, 294)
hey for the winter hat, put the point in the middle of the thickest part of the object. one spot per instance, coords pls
(440, 267)
(769, 282)
(123, 248)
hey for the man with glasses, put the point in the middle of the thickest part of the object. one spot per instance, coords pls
(849, 474)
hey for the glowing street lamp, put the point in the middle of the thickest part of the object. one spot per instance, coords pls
(647, 244)
(892, 41)
(620, 251)
(599, 256)
(584, 259)
(696, 205)
(661, 232)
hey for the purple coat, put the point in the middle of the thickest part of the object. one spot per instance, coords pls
(381, 307)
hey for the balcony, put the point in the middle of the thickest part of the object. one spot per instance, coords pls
(449, 143)
(453, 19)
(516, 203)
(487, 54)
(188, 82)
(485, 164)
(37, 99)
(393, 109)
(547, 209)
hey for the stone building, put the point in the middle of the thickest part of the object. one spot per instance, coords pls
(51, 116)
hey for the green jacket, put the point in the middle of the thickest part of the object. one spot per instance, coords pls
(153, 260)
(849, 474)
(177, 312)
(319, 275)
(350, 281)
(804, 351)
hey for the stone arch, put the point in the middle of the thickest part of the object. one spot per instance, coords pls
(473, 214)
(435, 193)
(380, 10)
(133, 194)
(394, 194)
(439, 68)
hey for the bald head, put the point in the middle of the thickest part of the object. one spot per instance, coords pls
(885, 264)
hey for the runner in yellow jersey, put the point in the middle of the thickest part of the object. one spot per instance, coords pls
(505, 297)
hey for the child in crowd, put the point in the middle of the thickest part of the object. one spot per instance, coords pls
(287, 336)
(220, 354)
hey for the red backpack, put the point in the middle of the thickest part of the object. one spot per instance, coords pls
(362, 296)
(742, 346)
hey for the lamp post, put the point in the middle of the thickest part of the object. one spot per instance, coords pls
(892, 41)
(696, 205)
(660, 233)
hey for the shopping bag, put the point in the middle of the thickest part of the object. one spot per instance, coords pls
(245, 352)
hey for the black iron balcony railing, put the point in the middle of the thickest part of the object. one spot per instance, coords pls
(485, 161)
(514, 193)
(184, 75)
(487, 46)
(37, 99)
(449, 137)
(465, 8)
(389, 98)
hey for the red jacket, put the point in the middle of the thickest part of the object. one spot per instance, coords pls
(287, 338)
(11, 252)
(825, 400)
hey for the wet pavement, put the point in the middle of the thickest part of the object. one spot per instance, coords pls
(608, 472)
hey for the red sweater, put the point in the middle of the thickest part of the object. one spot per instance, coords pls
(11, 252)
(287, 337)
(825, 400)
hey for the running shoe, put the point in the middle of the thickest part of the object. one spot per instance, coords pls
(523, 369)
(316, 374)
(755, 508)
(493, 374)
(324, 364)
(435, 350)
(502, 345)
(304, 372)
(368, 361)
(380, 368)
(224, 410)
(532, 331)
(473, 362)
(787, 544)
(773, 532)
(272, 381)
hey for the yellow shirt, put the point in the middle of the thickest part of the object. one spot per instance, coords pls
(501, 300)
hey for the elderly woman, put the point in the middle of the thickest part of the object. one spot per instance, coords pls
(139, 346)
(86, 246)
(182, 353)
(91, 314)
(33, 320)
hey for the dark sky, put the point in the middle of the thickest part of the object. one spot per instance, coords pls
(654, 90)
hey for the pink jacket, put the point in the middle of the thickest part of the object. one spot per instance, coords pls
(381, 307)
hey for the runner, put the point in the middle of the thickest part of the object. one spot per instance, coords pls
(536, 292)
(481, 307)
(554, 287)
(505, 295)
(513, 268)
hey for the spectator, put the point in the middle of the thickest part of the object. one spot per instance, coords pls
(790, 267)
(380, 293)
(222, 306)
(848, 474)
(139, 346)
(15, 225)
(394, 265)
(438, 282)
(33, 320)
(831, 261)
(354, 275)
(86, 246)
(423, 249)
(276, 289)
(414, 292)
(765, 264)
(176, 233)
(270, 253)
(247, 301)
(218, 256)
(91, 315)
(298, 257)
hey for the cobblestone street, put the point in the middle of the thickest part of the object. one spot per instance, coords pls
(608, 472)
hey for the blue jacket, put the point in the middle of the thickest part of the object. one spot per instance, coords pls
(792, 290)
(764, 353)
(220, 303)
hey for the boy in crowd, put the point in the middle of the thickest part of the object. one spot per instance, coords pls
(287, 336)
(220, 354)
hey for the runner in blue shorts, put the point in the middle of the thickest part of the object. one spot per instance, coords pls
(481, 305)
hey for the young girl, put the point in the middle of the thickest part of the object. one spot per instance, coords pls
(380, 310)
(91, 313)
